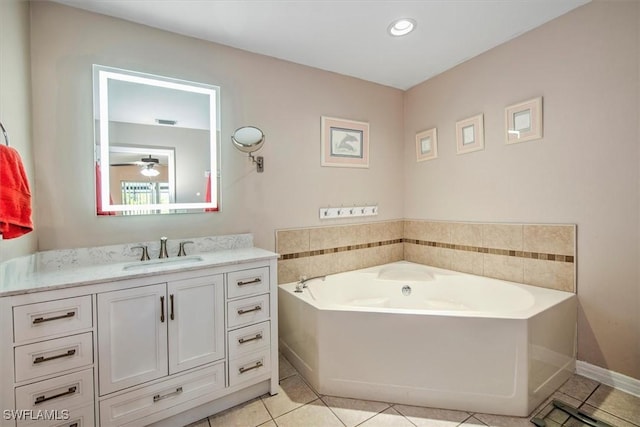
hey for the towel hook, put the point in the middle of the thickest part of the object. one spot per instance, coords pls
(4, 132)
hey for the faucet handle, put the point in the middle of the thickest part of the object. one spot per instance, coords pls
(145, 252)
(181, 251)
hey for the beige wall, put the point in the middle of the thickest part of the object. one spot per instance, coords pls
(584, 170)
(284, 99)
(15, 103)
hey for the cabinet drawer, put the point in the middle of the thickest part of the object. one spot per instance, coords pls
(248, 282)
(71, 390)
(249, 339)
(247, 311)
(42, 320)
(48, 357)
(79, 417)
(249, 366)
(137, 404)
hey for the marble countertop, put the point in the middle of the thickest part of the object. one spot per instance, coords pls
(39, 281)
(65, 268)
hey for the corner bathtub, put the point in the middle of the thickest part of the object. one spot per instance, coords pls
(458, 341)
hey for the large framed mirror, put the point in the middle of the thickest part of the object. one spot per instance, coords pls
(156, 144)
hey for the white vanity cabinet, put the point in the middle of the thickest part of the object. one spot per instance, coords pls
(161, 348)
(152, 331)
(53, 356)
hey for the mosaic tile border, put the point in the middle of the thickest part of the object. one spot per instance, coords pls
(518, 254)
(340, 249)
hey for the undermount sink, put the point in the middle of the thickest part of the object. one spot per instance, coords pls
(163, 262)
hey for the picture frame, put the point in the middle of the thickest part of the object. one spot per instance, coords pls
(470, 134)
(523, 121)
(427, 145)
(344, 143)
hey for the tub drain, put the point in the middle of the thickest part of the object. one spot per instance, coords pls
(406, 290)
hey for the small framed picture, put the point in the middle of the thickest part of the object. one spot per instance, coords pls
(427, 145)
(470, 134)
(523, 121)
(345, 143)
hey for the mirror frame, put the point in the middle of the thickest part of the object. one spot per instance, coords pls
(101, 76)
(251, 146)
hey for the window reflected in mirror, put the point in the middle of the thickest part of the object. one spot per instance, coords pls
(156, 144)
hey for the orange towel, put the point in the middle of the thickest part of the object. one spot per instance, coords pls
(15, 197)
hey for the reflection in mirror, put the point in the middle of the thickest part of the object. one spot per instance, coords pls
(156, 144)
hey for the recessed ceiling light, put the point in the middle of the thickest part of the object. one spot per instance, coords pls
(401, 27)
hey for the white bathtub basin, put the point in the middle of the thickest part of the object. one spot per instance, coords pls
(457, 341)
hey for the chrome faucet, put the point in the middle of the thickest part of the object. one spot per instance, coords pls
(303, 282)
(163, 248)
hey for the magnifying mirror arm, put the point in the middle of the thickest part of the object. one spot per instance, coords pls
(249, 139)
(259, 161)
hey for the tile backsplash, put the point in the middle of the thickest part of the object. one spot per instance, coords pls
(536, 254)
(327, 250)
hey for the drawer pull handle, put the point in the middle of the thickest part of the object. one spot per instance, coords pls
(256, 366)
(251, 310)
(243, 340)
(158, 397)
(162, 309)
(171, 316)
(249, 282)
(39, 320)
(41, 359)
(42, 399)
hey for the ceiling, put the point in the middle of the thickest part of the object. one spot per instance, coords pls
(347, 36)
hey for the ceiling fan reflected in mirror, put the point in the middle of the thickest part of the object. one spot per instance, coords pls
(147, 165)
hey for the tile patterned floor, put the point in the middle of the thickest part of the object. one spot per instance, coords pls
(298, 405)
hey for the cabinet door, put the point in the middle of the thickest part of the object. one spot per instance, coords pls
(196, 322)
(132, 336)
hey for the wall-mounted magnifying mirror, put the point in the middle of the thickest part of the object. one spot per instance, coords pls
(156, 144)
(249, 139)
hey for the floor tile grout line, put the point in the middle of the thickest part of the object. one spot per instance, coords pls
(284, 378)
(294, 409)
(334, 414)
(584, 402)
(405, 417)
(267, 409)
(332, 411)
(304, 404)
(474, 417)
(265, 406)
(364, 421)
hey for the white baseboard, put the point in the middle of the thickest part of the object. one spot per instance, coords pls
(607, 377)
